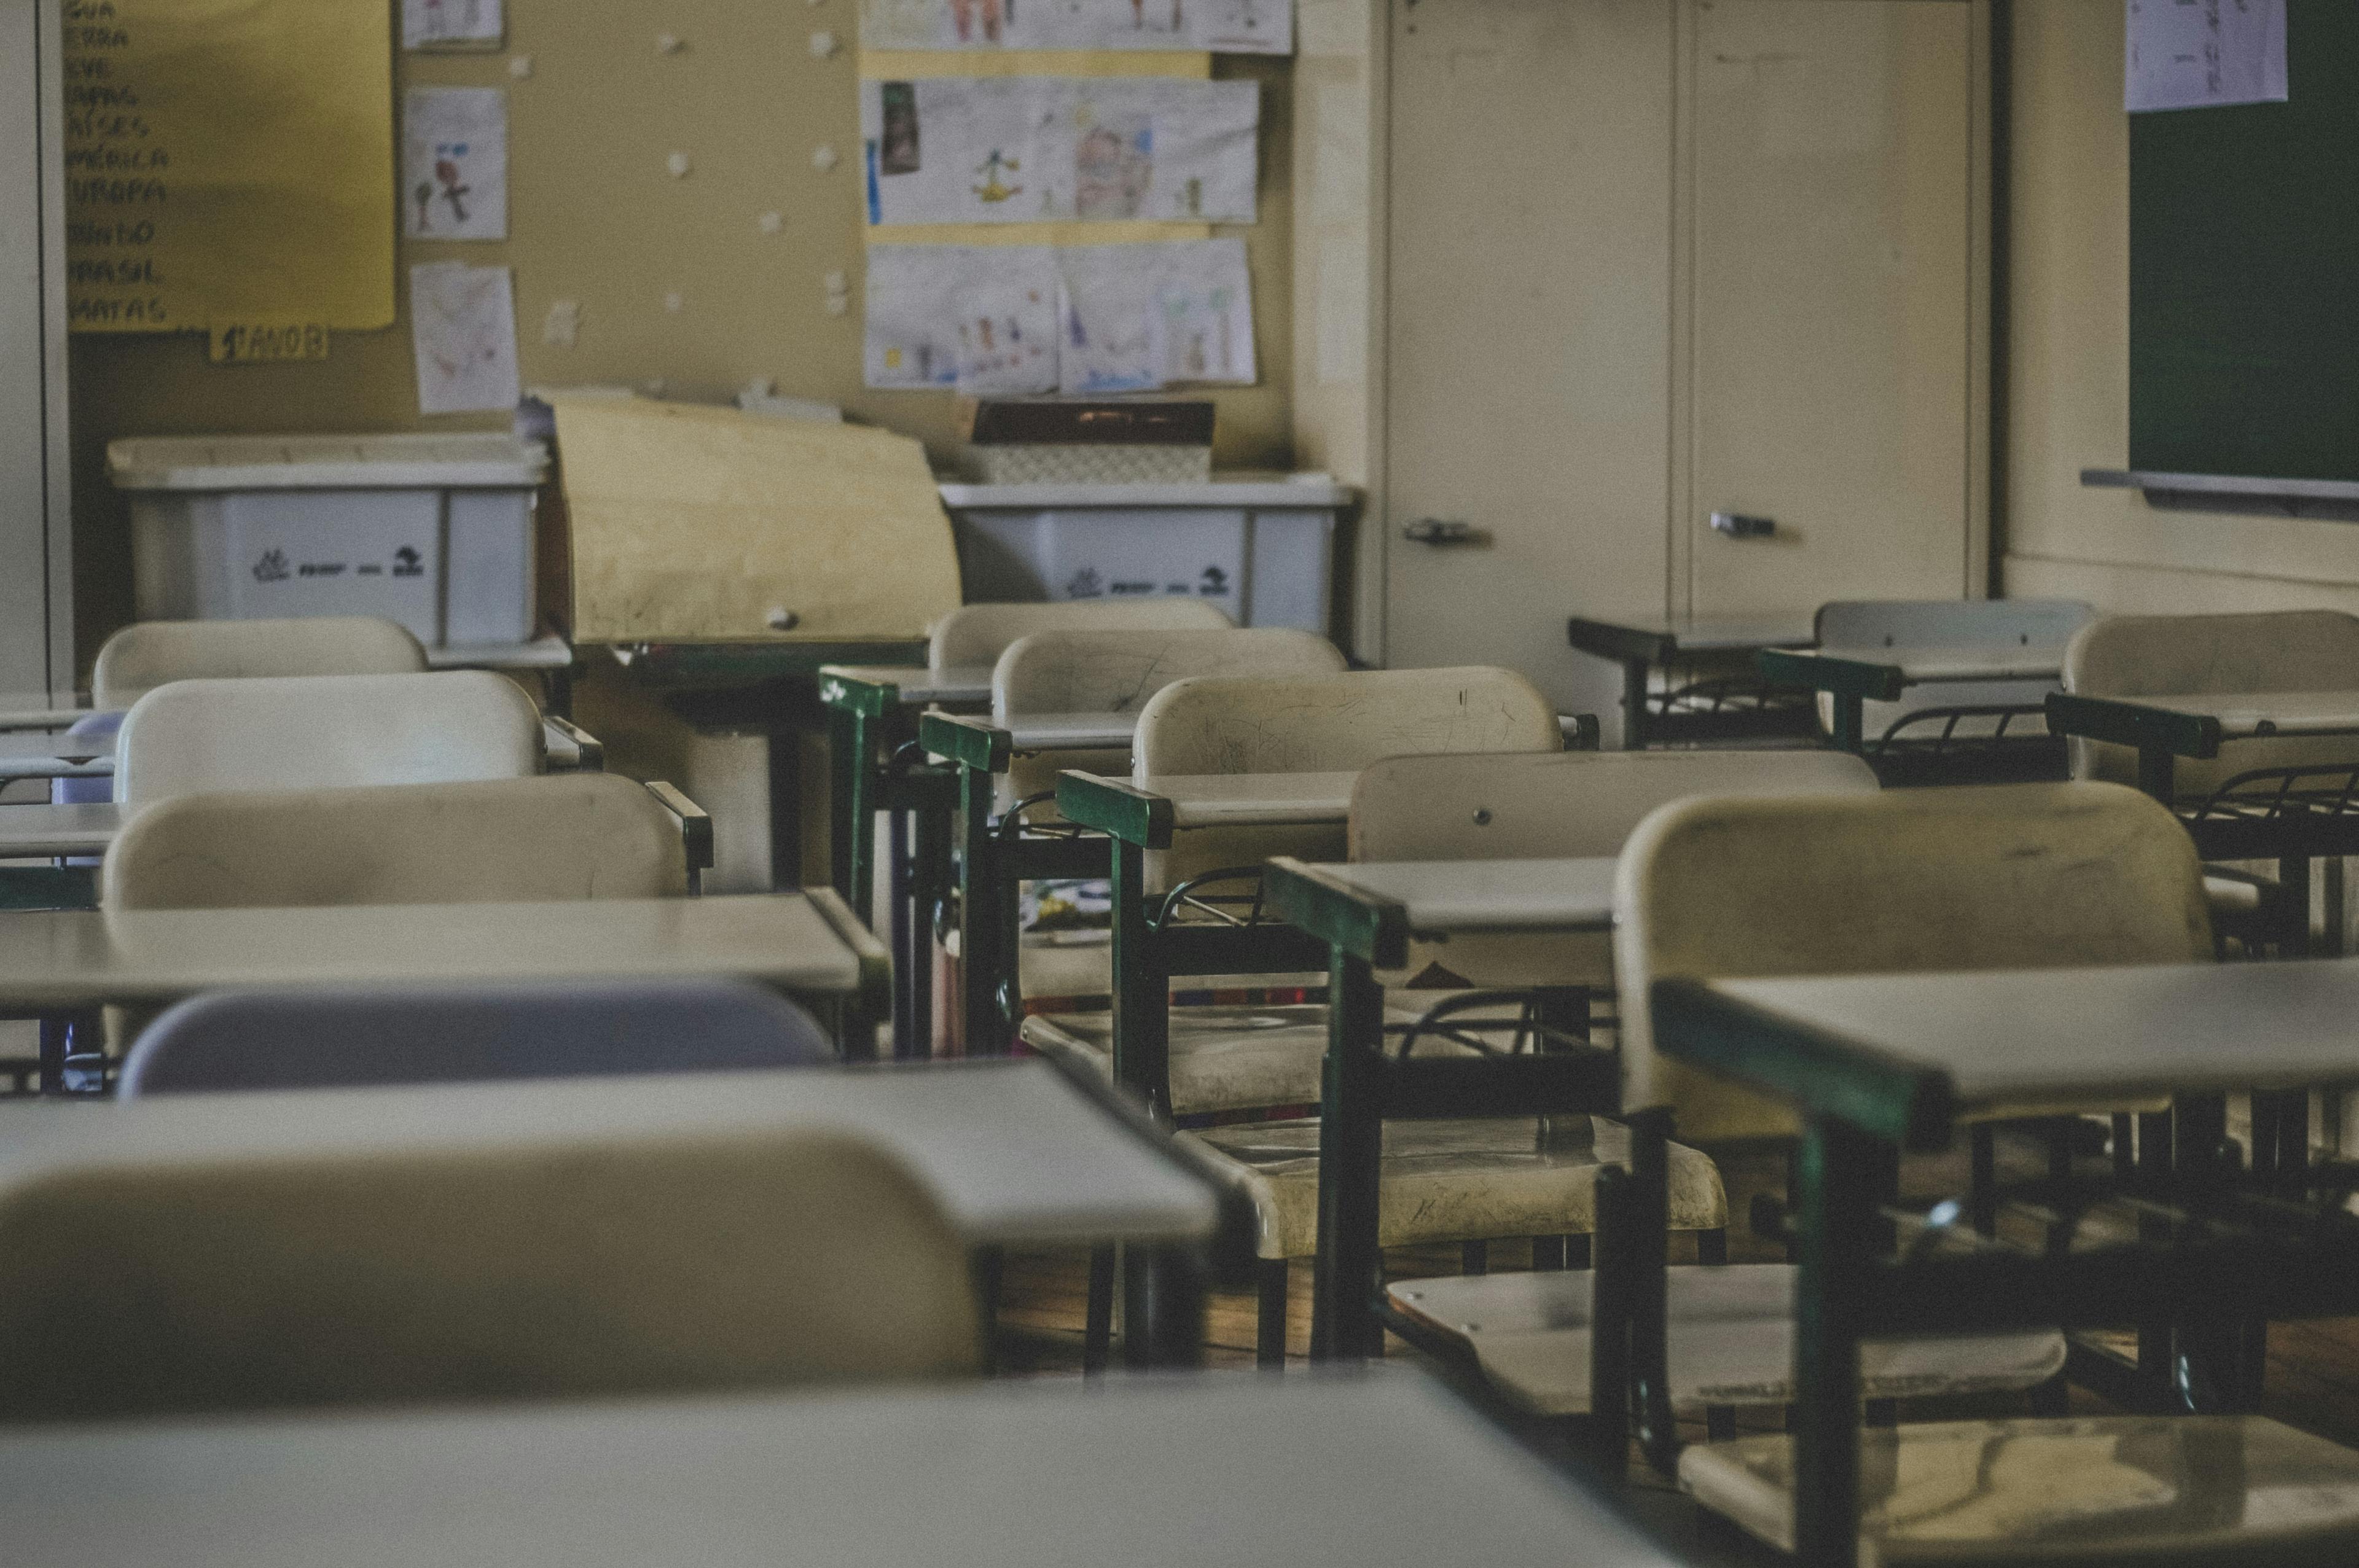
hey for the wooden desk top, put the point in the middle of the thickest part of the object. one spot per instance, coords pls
(86, 957)
(1221, 1471)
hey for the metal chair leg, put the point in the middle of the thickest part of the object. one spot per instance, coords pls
(1097, 1335)
(1269, 1318)
(1473, 1257)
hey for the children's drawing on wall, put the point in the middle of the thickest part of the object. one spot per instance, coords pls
(450, 24)
(454, 164)
(1087, 319)
(1246, 26)
(1012, 149)
(463, 326)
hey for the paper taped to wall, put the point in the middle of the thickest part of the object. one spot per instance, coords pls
(1227, 26)
(463, 321)
(1022, 148)
(450, 24)
(1084, 319)
(454, 164)
(2200, 54)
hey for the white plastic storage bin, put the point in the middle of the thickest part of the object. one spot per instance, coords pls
(1261, 549)
(432, 530)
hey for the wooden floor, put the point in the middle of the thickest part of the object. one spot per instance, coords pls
(2313, 1367)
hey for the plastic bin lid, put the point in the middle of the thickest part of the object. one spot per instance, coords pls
(326, 462)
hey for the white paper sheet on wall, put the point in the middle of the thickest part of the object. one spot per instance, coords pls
(1087, 319)
(2197, 54)
(454, 164)
(1017, 149)
(462, 324)
(450, 24)
(1229, 27)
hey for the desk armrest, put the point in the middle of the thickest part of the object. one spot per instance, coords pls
(571, 748)
(2129, 723)
(1132, 815)
(852, 694)
(1822, 672)
(1365, 925)
(973, 742)
(695, 829)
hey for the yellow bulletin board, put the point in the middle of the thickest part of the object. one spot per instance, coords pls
(229, 170)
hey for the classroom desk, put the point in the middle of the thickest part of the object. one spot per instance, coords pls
(2162, 728)
(30, 712)
(41, 831)
(568, 749)
(1877, 1062)
(1222, 1472)
(1646, 643)
(1853, 677)
(1367, 914)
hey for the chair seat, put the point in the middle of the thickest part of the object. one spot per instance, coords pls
(1226, 1058)
(2188, 1491)
(1454, 1181)
(1731, 1340)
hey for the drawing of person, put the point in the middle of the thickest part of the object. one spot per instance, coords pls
(962, 18)
(453, 191)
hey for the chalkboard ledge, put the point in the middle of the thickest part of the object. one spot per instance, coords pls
(2334, 500)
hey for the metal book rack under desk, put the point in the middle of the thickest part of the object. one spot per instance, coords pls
(1702, 702)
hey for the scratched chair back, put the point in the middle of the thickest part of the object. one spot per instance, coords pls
(554, 839)
(1864, 627)
(323, 732)
(2021, 876)
(1117, 672)
(1323, 724)
(1565, 806)
(597, 1269)
(979, 633)
(149, 653)
(2180, 655)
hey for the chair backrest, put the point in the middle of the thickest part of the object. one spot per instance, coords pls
(1120, 672)
(1316, 724)
(979, 633)
(149, 653)
(471, 1033)
(2180, 655)
(599, 1269)
(555, 838)
(2021, 876)
(1567, 806)
(323, 732)
(1950, 623)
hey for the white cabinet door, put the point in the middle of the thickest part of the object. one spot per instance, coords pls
(1834, 301)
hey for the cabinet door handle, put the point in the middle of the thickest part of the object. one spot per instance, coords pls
(1434, 531)
(1737, 525)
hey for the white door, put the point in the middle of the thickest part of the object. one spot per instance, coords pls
(1527, 363)
(1833, 302)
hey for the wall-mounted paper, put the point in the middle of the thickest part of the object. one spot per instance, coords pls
(1020, 148)
(1121, 319)
(454, 164)
(977, 318)
(2198, 54)
(450, 24)
(462, 321)
(1141, 317)
(1228, 27)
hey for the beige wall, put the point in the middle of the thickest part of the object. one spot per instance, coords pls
(2069, 376)
(598, 218)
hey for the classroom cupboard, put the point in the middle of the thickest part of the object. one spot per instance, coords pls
(1648, 261)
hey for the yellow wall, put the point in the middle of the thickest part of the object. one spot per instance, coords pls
(2069, 376)
(597, 218)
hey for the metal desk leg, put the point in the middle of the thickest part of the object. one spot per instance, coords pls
(904, 932)
(1349, 1269)
(2156, 768)
(1142, 989)
(979, 919)
(1839, 1182)
(2293, 876)
(845, 733)
(1635, 735)
(1163, 1306)
(929, 884)
(1850, 725)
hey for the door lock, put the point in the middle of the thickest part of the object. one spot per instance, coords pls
(1434, 531)
(1737, 525)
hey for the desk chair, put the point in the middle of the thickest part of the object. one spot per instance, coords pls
(325, 732)
(149, 653)
(979, 633)
(301, 1040)
(1954, 731)
(2179, 655)
(591, 1271)
(2026, 876)
(1730, 1327)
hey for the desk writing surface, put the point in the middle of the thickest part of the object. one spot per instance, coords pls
(1014, 1154)
(20, 748)
(84, 958)
(1375, 1470)
(1444, 896)
(1922, 665)
(920, 686)
(1071, 731)
(38, 830)
(2242, 714)
(1717, 634)
(33, 712)
(1254, 800)
(2093, 1036)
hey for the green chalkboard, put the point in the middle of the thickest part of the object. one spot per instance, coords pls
(2244, 272)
